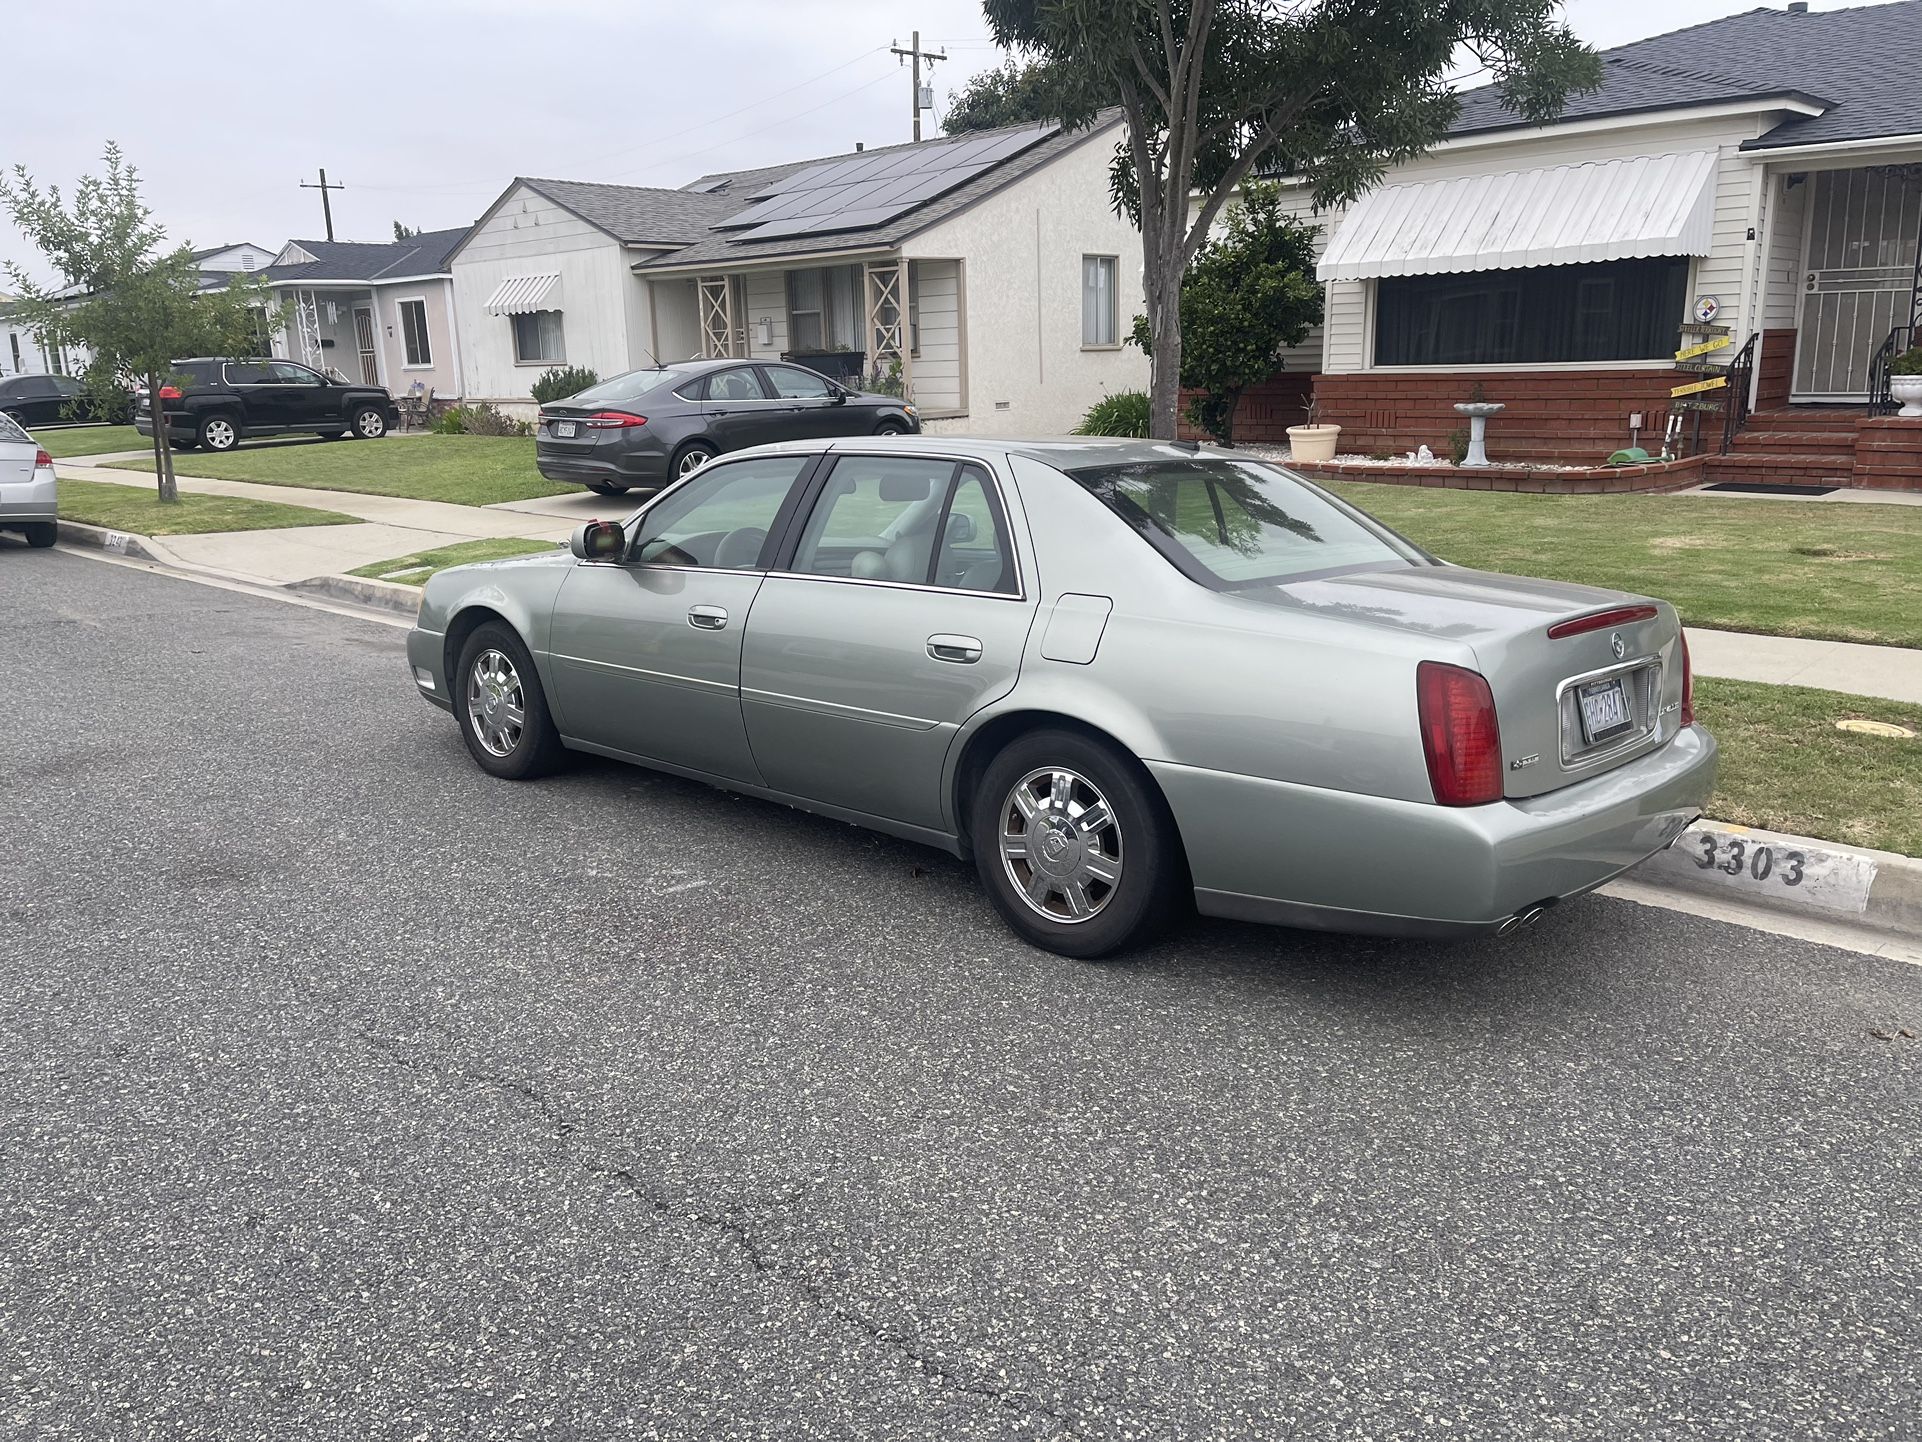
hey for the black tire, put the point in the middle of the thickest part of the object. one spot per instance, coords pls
(1141, 837)
(217, 433)
(691, 455)
(367, 424)
(41, 534)
(890, 428)
(607, 488)
(536, 749)
(333, 435)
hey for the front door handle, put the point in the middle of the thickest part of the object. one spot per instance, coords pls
(708, 618)
(962, 650)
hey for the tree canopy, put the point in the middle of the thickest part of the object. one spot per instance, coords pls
(1216, 91)
(1008, 96)
(134, 307)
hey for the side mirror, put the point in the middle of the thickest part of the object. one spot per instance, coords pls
(839, 395)
(599, 541)
(960, 530)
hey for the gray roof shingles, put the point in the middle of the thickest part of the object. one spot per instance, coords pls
(1864, 64)
(638, 214)
(423, 254)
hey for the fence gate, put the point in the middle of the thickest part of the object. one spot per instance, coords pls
(1859, 269)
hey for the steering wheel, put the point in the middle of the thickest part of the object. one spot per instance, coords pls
(740, 548)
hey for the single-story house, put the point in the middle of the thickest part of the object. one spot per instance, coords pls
(987, 275)
(377, 313)
(240, 256)
(1760, 173)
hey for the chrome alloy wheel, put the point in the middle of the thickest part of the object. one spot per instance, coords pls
(496, 706)
(1061, 844)
(371, 426)
(690, 462)
(220, 435)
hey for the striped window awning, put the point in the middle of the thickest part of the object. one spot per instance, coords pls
(1623, 209)
(525, 293)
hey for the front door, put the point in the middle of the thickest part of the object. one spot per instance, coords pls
(302, 397)
(647, 653)
(364, 342)
(1859, 266)
(813, 407)
(899, 615)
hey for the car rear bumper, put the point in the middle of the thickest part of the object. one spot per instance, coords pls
(178, 427)
(644, 471)
(30, 500)
(1294, 855)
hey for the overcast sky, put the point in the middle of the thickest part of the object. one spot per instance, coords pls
(426, 111)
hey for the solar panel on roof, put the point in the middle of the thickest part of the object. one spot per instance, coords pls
(858, 191)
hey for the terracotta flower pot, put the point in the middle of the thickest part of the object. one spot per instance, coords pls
(1313, 443)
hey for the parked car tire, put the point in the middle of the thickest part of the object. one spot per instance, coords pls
(367, 424)
(607, 488)
(41, 534)
(217, 433)
(501, 708)
(890, 428)
(692, 456)
(1063, 823)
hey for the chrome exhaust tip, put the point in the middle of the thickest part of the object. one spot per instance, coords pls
(1530, 916)
(1507, 925)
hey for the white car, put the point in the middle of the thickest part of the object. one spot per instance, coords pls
(28, 502)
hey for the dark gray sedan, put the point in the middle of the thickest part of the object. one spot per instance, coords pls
(643, 429)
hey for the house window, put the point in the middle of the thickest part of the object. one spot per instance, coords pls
(824, 309)
(538, 339)
(1098, 316)
(1612, 310)
(413, 331)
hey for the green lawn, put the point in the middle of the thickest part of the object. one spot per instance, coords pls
(1786, 768)
(89, 440)
(1782, 568)
(467, 470)
(415, 569)
(138, 509)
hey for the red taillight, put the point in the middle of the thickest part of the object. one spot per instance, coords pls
(1688, 684)
(613, 421)
(170, 393)
(1600, 620)
(41, 458)
(1459, 734)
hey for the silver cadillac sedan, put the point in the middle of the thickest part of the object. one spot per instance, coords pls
(1121, 676)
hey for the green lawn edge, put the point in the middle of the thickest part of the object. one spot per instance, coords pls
(460, 470)
(139, 510)
(414, 569)
(69, 444)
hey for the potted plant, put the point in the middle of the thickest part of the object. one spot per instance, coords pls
(1313, 441)
(1905, 381)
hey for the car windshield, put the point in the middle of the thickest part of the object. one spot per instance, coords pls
(632, 386)
(1238, 524)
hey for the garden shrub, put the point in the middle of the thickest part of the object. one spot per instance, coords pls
(563, 381)
(1125, 413)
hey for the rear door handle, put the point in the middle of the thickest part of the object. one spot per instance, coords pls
(707, 618)
(962, 650)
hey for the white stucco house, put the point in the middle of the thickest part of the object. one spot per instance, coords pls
(377, 313)
(987, 275)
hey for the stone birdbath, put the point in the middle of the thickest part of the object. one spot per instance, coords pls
(1478, 413)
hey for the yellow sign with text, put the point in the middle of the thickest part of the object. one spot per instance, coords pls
(1713, 383)
(1704, 348)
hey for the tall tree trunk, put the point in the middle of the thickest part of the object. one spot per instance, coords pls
(1161, 276)
(163, 450)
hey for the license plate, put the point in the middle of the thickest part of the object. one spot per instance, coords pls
(564, 429)
(1605, 712)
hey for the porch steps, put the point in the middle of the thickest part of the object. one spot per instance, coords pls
(1840, 420)
(1798, 469)
(1795, 443)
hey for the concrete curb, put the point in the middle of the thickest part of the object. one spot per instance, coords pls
(361, 591)
(120, 543)
(1822, 880)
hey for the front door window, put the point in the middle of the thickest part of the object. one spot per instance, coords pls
(719, 520)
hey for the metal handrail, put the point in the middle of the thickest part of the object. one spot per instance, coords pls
(1881, 398)
(1741, 378)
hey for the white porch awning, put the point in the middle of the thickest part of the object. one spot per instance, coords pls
(1644, 205)
(524, 293)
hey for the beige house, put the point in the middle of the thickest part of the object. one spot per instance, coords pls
(986, 276)
(378, 314)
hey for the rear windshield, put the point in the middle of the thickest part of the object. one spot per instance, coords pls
(1238, 524)
(630, 387)
(11, 432)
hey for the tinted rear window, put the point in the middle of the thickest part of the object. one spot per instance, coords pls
(630, 387)
(199, 373)
(1237, 524)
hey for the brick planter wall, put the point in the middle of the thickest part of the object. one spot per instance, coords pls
(1265, 412)
(1888, 454)
(1593, 481)
(1774, 369)
(1562, 416)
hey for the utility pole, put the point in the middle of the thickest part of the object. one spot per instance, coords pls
(327, 210)
(917, 54)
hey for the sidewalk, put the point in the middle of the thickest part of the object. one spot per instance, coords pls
(1893, 673)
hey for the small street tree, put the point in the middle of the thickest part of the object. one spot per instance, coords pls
(134, 307)
(1247, 297)
(1216, 91)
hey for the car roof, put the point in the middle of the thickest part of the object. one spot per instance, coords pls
(1061, 452)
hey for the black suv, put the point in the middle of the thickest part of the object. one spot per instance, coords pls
(226, 400)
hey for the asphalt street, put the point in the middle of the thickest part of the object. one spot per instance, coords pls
(349, 1093)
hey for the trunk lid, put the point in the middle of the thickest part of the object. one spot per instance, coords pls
(16, 456)
(1631, 668)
